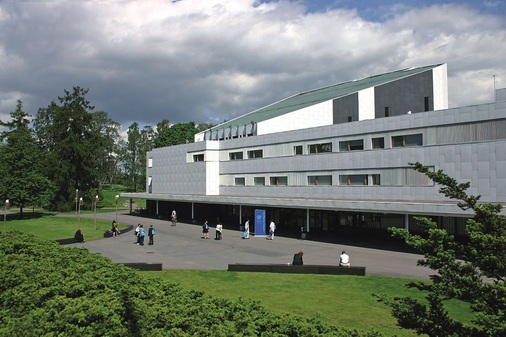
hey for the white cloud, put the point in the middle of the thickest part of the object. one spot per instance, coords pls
(210, 60)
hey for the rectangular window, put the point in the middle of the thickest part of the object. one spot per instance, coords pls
(279, 181)
(235, 155)
(255, 154)
(198, 157)
(426, 103)
(387, 111)
(259, 181)
(240, 181)
(297, 150)
(351, 145)
(378, 143)
(150, 162)
(407, 140)
(353, 179)
(350, 119)
(375, 179)
(319, 148)
(319, 180)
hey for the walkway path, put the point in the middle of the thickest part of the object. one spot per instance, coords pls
(181, 247)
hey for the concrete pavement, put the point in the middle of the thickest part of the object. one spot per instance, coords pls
(181, 247)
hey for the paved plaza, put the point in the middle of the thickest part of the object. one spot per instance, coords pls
(181, 247)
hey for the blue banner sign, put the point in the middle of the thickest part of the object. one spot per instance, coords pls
(260, 222)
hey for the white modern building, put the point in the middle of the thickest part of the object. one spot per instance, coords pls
(337, 158)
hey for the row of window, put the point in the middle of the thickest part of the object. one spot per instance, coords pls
(348, 145)
(323, 180)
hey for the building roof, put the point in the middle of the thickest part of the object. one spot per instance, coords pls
(312, 97)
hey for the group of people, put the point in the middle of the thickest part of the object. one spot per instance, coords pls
(272, 229)
(205, 231)
(140, 234)
(344, 259)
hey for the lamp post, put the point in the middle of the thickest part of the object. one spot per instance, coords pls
(95, 212)
(5, 213)
(79, 210)
(77, 198)
(117, 197)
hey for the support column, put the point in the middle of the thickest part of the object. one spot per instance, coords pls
(406, 222)
(193, 212)
(240, 218)
(307, 220)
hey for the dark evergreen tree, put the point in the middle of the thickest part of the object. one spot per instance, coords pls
(74, 147)
(473, 271)
(21, 178)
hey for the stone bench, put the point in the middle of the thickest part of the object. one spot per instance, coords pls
(144, 266)
(305, 269)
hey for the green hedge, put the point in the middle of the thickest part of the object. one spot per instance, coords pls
(49, 290)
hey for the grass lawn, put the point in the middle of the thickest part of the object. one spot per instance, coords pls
(344, 301)
(59, 227)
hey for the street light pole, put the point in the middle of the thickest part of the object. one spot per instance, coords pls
(77, 198)
(95, 212)
(117, 197)
(5, 213)
(79, 210)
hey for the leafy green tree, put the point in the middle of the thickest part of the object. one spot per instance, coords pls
(133, 155)
(75, 144)
(181, 133)
(473, 271)
(107, 135)
(21, 178)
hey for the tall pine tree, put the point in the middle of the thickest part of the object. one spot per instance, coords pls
(21, 178)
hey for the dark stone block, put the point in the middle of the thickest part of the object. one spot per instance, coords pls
(305, 269)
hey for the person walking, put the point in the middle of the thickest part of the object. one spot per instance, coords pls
(142, 234)
(205, 230)
(272, 228)
(151, 234)
(245, 235)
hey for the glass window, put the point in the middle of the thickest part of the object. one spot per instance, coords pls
(378, 143)
(351, 145)
(240, 181)
(318, 148)
(413, 140)
(198, 157)
(255, 154)
(278, 181)
(376, 179)
(297, 150)
(353, 179)
(150, 162)
(236, 155)
(407, 140)
(259, 181)
(319, 180)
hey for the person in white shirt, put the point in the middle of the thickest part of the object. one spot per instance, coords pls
(246, 229)
(219, 230)
(272, 228)
(344, 259)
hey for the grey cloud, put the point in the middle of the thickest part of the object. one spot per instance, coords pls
(217, 60)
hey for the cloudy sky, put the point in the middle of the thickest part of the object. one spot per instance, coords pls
(211, 60)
